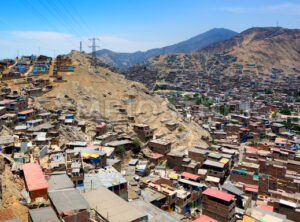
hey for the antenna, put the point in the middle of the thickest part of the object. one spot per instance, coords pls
(94, 46)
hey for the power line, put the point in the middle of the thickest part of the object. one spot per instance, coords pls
(94, 46)
(37, 13)
(80, 18)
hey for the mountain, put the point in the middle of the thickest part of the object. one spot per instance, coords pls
(126, 60)
(268, 46)
(258, 52)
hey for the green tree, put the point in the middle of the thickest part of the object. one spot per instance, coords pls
(285, 111)
(171, 100)
(253, 142)
(136, 148)
(120, 150)
(198, 101)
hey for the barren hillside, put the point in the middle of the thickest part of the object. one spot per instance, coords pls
(269, 46)
(95, 93)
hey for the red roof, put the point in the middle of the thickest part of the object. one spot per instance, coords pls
(205, 218)
(101, 125)
(251, 186)
(26, 112)
(251, 189)
(34, 177)
(191, 176)
(6, 101)
(251, 149)
(265, 207)
(218, 194)
(156, 155)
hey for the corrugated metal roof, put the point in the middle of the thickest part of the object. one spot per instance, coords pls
(59, 181)
(213, 163)
(232, 189)
(43, 214)
(68, 200)
(111, 206)
(103, 179)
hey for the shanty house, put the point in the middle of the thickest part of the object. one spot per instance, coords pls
(36, 183)
(70, 205)
(160, 146)
(42, 214)
(110, 207)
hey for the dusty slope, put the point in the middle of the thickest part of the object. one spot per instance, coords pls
(270, 46)
(94, 92)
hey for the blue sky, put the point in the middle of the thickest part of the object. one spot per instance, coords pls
(56, 26)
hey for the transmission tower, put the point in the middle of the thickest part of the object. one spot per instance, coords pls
(94, 46)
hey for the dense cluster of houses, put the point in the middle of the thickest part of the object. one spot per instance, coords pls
(249, 170)
(219, 73)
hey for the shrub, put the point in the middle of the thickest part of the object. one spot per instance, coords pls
(181, 128)
(10, 124)
(120, 150)
(285, 112)
(136, 146)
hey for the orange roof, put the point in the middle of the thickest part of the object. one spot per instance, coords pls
(34, 177)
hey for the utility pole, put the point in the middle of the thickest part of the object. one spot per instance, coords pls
(94, 46)
(80, 50)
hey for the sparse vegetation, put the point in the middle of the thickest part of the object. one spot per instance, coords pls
(120, 150)
(10, 125)
(171, 100)
(136, 148)
(181, 128)
(285, 112)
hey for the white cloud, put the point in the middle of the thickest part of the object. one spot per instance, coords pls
(286, 8)
(41, 35)
(28, 42)
(124, 45)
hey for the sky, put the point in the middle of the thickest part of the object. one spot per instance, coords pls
(54, 27)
